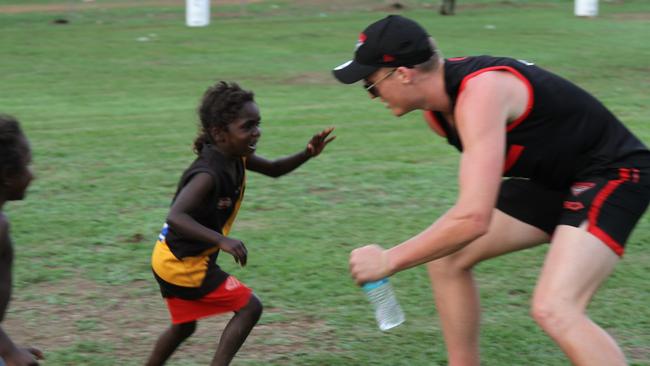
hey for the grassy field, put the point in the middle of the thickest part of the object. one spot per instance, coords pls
(108, 101)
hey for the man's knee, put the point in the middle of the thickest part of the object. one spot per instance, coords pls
(450, 265)
(553, 315)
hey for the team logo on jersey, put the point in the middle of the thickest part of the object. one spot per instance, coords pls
(573, 206)
(232, 283)
(163, 233)
(224, 203)
(579, 188)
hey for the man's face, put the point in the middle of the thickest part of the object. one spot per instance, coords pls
(385, 85)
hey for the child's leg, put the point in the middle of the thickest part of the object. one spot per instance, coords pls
(169, 341)
(236, 331)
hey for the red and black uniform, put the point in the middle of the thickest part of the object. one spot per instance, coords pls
(578, 161)
(186, 269)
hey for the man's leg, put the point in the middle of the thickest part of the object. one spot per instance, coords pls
(575, 267)
(454, 289)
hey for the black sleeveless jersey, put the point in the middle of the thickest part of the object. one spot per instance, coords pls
(185, 267)
(564, 135)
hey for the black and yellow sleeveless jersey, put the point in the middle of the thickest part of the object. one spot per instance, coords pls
(188, 268)
(564, 135)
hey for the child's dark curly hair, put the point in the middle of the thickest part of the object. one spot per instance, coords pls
(220, 106)
(12, 144)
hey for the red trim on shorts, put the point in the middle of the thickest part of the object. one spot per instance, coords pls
(608, 240)
(433, 123)
(231, 295)
(594, 211)
(531, 97)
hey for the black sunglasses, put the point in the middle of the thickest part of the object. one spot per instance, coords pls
(372, 87)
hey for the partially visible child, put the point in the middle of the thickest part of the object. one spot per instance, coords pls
(207, 199)
(15, 176)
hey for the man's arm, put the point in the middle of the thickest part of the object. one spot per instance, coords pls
(481, 114)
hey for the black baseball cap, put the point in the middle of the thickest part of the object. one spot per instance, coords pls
(390, 42)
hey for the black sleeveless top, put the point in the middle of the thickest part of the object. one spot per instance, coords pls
(564, 135)
(187, 268)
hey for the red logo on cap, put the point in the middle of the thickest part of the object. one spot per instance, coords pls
(389, 58)
(362, 37)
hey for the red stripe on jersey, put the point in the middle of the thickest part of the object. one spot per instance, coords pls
(513, 155)
(433, 122)
(531, 97)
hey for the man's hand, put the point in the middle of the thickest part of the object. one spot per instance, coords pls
(369, 263)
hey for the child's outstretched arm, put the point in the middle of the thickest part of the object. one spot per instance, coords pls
(188, 200)
(282, 166)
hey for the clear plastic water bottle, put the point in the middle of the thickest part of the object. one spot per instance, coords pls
(387, 310)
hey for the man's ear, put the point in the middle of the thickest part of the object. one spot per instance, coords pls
(405, 74)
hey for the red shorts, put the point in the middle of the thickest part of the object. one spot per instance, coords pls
(231, 295)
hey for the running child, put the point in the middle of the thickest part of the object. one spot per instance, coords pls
(15, 176)
(202, 212)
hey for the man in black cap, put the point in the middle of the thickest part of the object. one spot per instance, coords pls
(578, 179)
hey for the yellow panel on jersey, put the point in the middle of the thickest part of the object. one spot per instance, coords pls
(226, 227)
(187, 268)
(186, 272)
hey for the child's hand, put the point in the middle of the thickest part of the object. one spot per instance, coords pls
(23, 357)
(236, 248)
(319, 141)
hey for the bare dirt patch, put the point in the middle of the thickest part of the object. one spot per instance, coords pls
(128, 319)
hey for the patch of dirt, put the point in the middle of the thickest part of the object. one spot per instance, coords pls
(129, 319)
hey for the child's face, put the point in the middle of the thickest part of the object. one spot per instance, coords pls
(240, 139)
(17, 181)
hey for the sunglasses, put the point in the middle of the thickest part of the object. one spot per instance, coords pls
(372, 87)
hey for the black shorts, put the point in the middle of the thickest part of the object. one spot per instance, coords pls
(611, 204)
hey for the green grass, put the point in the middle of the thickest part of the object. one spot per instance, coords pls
(108, 102)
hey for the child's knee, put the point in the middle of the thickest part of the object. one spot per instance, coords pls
(184, 330)
(254, 307)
